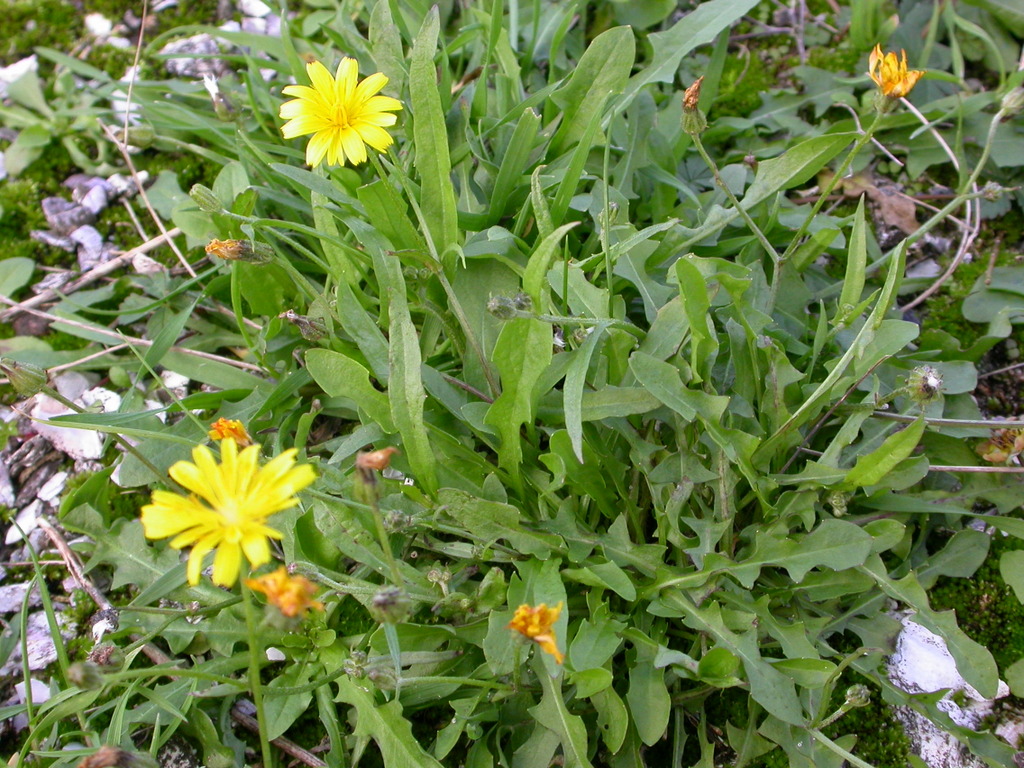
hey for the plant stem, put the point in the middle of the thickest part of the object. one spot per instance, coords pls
(255, 684)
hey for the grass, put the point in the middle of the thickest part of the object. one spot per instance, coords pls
(633, 368)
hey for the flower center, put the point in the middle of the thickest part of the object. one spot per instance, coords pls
(340, 117)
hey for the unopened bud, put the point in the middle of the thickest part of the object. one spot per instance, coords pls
(1013, 102)
(522, 302)
(694, 121)
(240, 250)
(389, 606)
(858, 696)
(502, 307)
(206, 199)
(27, 379)
(85, 675)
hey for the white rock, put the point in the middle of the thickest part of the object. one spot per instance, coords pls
(144, 265)
(76, 443)
(6, 486)
(26, 521)
(110, 401)
(175, 382)
(53, 487)
(253, 8)
(98, 25)
(922, 663)
(40, 693)
(39, 643)
(275, 654)
(12, 596)
(71, 384)
(16, 71)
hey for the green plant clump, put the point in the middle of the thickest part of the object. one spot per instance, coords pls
(510, 403)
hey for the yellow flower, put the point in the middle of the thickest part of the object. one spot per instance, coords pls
(890, 73)
(292, 595)
(229, 429)
(537, 624)
(342, 114)
(227, 507)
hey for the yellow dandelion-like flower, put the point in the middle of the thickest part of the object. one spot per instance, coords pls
(292, 595)
(229, 429)
(227, 508)
(343, 114)
(890, 73)
(536, 624)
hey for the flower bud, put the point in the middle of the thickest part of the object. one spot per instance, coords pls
(240, 250)
(522, 302)
(311, 328)
(27, 379)
(389, 606)
(85, 675)
(502, 307)
(1013, 101)
(206, 199)
(858, 696)
(694, 121)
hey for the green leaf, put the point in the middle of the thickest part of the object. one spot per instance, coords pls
(794, 166)
(341, 376)
(386, 725)
(872, 468)
(835, 544)
(1009, 12)
(492, 520)
(591, 681)
(572, 391)
(552, 713)
(405, 382)
(769, 687)
(1011, 568)
(612, 718)
(521, 354)
(856, 262)
(430, 138)
(283, 711)
(535, 279)
(699, 27)
(15, 275)
(602, 71)
(606, 576)
(649, 701)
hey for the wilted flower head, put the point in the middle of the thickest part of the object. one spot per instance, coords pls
(240, 250)
(343, 114)
(693, 119)
(292, 595)
(924, 384)
(230, 429)
(536, 623)
(1004, 445)
(890, 73)
(227, 507)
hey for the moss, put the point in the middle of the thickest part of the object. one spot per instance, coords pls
(25, 24)
(987, 609)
